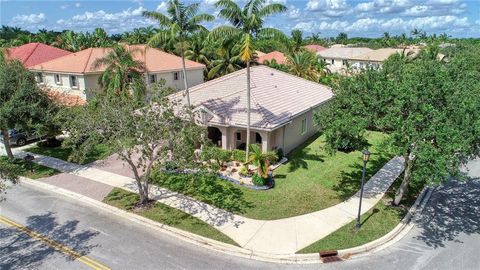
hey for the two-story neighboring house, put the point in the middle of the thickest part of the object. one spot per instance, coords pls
(75, 73)
(338, 57)
(375, 58)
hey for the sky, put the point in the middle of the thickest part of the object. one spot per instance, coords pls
(366, 18)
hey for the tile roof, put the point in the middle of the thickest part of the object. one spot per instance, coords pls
(83, 61)
(65, 99)
(276, 97)
(343, 52)
(315, 48)
(34, 53)
(278, 56)
(381, 55)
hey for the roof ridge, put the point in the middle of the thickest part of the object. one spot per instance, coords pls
(88, 60)
(34, 48)
(217, 80)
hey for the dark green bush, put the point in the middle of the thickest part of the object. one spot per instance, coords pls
(238, 155)
(258, 180)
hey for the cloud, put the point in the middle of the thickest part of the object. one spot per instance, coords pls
(417, 10)
(77, 5)
(64, 6)
(162, 7)
(293, 12)
(23, 19)
(329, 8)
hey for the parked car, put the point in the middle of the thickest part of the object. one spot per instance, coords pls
(21, 138)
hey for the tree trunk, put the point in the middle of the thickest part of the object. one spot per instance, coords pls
(402, 190)
(185, 81)
(6, 142)
(141, 192)
(247, 149)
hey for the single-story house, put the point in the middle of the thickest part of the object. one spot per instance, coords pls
(279, 57)
(375, 58)
(282, 108)
(75, 73)
(315, 48)
(338, 57)
(35, 53)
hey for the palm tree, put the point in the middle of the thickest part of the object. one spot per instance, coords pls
(322, 67)
(303, 64)
(342, 38)
(247, 23)
(296, 41)
(182, 20)
(261, 160)
(120, 69)
(197, 51)
(227, 60)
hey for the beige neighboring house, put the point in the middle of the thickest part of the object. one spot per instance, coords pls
(375, 58)
(338, 57)
(282, 108)
(75, 73)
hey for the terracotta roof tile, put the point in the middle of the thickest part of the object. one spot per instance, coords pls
(315, 48)
(35, 53)
(83, 61)
(278, 56)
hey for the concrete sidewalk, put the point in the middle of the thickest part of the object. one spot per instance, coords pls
(282, 236)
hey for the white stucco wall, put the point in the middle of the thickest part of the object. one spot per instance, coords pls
(194, 77)
(64, 85)
(290, 136)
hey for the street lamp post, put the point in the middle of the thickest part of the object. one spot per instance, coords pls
(366, 156)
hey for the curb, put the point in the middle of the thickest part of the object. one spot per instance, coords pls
(405, 225)
(389, 239)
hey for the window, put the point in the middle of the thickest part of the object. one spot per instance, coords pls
(153, 78)
(39, 77)
(344, 62)
(304, 126)
(333, 61)
(176, 76)
(239, 136)
(73, 81)
(57, 78)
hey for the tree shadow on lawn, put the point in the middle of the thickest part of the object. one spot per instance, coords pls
(350, 181)
(207, 188)
(20, 251)
(299, 156)
(453, 209)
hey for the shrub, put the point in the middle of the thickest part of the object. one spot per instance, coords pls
(279, 152)
(258, 180)
(50, 142)
(218, 154)
(238, 155)
(243, 171)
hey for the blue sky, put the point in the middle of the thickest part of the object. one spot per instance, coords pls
(371, 18)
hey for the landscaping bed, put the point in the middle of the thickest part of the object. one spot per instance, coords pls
(36, 171)
(310, 181)
(101, 151)
(166, 215)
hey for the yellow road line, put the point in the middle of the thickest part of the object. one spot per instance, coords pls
(57, 246)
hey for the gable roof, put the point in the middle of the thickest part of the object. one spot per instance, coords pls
(276, 98)
(155, 60)
(278, 56)
(34, 53)
(315, 48)
(343, 52)
(381, 55)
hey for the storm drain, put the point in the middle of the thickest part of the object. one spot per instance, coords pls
(328, 256)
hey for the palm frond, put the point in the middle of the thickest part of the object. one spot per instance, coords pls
(271, 9)
(161, 18)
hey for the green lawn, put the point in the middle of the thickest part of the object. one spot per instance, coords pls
(101, 151)
(310, 181)
(375, 223)
(38, 171)
(166, 215)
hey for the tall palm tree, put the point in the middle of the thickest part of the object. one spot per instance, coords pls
(197, 51)
(261, 160)
(296, 41)
(246, 24)
(181, 21)
(303, 64)
(227, 60)
(120, 69)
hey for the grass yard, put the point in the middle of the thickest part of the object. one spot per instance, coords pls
(39, 171)
(310, 181)
(101, 151)
(166, 215)
(375, 223)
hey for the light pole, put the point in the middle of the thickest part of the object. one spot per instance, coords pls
(366, 156)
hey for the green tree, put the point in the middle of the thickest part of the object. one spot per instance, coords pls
(342, 38)
(261, 160)
(120, 70)
(23, 105)
(303, 64)
(427, 107)
(227, 60)
(180, 22)
(143, 137)
(296, 41)
(247, 23)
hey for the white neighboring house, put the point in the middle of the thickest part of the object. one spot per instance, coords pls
(375, 58)
(282, 108)
(75, 73)
(338, 57)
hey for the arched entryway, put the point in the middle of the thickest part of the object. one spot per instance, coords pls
(215, 135)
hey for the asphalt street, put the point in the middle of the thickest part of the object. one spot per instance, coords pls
(447, 236)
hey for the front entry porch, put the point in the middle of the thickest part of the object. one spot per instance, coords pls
(231, 138)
